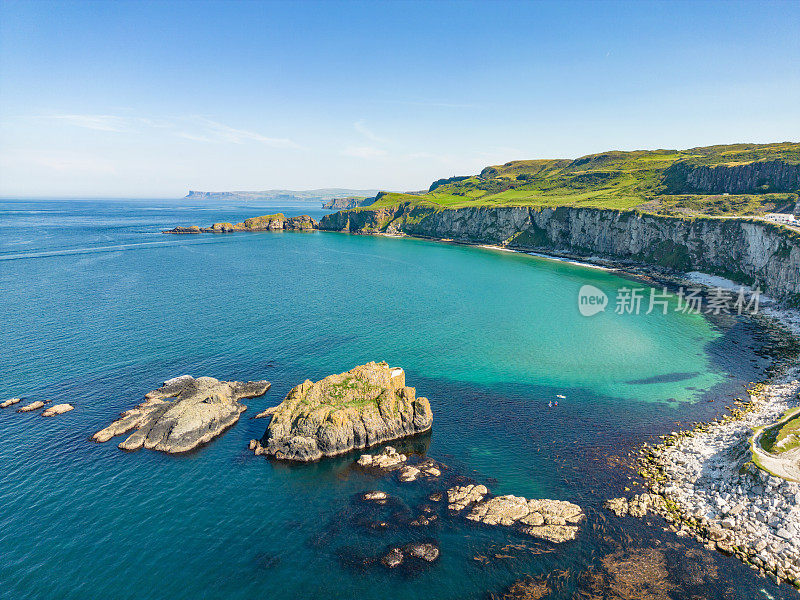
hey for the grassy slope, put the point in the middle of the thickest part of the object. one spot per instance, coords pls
(783, 437)
(613, 180)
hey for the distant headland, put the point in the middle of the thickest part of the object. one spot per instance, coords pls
(318, 195)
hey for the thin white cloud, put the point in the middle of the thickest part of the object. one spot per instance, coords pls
(361, 127)
(96, 122)
(435, 104)
(363, 152)
(239, 136)
(193, 136)
(58, 162)
(194, 128)
(157, 123)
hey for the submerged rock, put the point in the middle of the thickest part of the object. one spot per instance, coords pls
(376, 496)
(58, 409)
(32, 406)
(393, 558)
(422, 551)
(183, 414)
(367, 405)
(10, 402)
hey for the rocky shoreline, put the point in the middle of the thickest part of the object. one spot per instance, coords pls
(705, 484)
(708, 487)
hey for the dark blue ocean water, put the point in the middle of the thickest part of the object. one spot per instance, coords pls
(99, 307)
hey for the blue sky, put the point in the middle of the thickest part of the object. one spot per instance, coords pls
(151, 99)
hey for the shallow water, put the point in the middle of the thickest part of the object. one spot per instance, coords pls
(99, 308)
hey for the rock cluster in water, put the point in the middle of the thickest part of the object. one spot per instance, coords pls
(705, 485)
(390, 460)
(424, 551)
(387, 460)
(183, 414)
(58, 409)
(264, 223)
(367, 405)
(553, 520)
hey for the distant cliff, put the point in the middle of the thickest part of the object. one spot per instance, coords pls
(347, 203)
(746, 251)
(318, 195)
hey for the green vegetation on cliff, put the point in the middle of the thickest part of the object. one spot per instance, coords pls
(783, 437)
(732, 180)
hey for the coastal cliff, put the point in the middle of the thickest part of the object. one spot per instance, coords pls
(747, 251)
(362, 407)
(347, 203)
(685, 177)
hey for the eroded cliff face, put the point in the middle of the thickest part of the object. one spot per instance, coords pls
(746, 251)
(756, 177)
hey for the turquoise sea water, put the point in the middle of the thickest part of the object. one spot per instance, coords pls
(98, 308)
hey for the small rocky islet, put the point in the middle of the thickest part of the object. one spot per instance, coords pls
(182, 414)
(365, 406)
(276, 222)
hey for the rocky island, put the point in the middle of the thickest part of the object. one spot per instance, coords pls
(362, 407)
(183, 414)
(276, 222)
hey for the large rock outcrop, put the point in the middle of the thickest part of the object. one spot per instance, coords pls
(747, 251)
(365, 406)
(183, 414)
(276, 222)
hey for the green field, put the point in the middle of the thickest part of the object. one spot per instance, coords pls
(653, 181)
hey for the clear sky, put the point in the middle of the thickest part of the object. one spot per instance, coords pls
(151, 99)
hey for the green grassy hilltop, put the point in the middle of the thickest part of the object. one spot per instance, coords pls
(739, 179)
